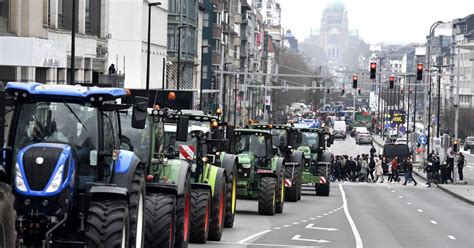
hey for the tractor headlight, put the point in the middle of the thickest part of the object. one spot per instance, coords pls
(57, 179)
(19, 182)
(246, 166)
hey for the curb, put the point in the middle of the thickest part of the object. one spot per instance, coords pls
(441, 187)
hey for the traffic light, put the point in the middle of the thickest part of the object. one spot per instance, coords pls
(392, 81)
(419, 72)
(354, 81)
(455, 146)
(328, 91)
(373, 70)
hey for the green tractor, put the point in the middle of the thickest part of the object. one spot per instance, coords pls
(317, 160)
(168, 181)
(208, 182)
(7, 211)
(285, 138)
(261, 172)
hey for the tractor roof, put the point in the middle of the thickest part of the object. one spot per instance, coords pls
(273, 126)
(71, 91)
(308, 130)
(250, 131)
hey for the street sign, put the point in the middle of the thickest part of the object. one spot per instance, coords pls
(422, 139)
(268, 101)
(403, 129)
(393, 125)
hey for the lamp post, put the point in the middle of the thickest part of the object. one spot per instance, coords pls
(179, 54)
(202, 72)
(148, 46)
(432, 28)
(73, 42)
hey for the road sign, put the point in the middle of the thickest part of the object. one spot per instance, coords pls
(422, 139)
(393, 125)
(403, 129)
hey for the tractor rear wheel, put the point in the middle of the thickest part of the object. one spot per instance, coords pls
(231, 198)
(216, 223)
(266, 195)
(107, 223)
(7, 217)
(160, 216)
(200, 210)
(183, 213)
(291, 193)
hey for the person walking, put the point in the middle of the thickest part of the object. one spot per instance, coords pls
(394, 165)
(461, 162)
(378, 169)
(389, 172)
(409, 171)
(444, 172)
(451, 167)
(372, 167)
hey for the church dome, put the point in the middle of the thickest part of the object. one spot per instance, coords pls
(335, 6)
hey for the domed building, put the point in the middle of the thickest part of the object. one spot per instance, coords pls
(334, 32)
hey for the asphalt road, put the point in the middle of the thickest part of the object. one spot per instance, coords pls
(357, 215)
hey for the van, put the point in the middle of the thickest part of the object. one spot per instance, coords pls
(340, 129)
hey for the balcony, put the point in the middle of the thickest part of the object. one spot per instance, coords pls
(238, 19)
(216, 31)
(216, 58)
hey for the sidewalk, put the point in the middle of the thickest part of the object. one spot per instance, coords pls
(461, 191)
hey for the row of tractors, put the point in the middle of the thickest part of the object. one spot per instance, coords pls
(102, 167)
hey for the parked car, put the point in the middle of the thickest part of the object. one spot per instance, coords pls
(364, 138)
(340, 129)
(469, 143)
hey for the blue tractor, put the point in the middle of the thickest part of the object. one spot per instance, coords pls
(74, 186)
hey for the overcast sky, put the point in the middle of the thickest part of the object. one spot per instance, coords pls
(392, 21)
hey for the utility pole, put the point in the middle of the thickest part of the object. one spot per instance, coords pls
(73, 43)
(456, 113)
(221, 82)
(438, 120)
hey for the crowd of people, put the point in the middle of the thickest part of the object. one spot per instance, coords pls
(442, 171)
(370, 168)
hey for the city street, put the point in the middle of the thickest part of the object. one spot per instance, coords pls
(375, 215)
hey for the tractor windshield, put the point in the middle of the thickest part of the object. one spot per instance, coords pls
(250, 143)
(136, 140)
(279, 137)
(310, 139)
(170, 138)
(57, 122)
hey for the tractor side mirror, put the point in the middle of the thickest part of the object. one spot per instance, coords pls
(182, 129)
(299, 138)
(139, 113)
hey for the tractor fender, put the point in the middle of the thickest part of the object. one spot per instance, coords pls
(326, 157)
(161, 188)
(279, 166)
(201, 186)
(125, 168)
(105, 191)
(229, 163)
(297, 157)
(214, 173)
(216, 189)
(183, 172)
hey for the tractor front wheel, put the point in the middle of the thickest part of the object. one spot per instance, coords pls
(200, 210)
(7, 217)
(216, 223)
(266, 195)
(231, 199)
(160, 216)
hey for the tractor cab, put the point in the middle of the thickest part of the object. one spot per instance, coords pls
(63, 156)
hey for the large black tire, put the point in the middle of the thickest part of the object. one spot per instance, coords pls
(291, 193)
(137, 209)
(183, 214)
(280, 192)
(107, 223)
(160, 216)
(231, 199)
(266, 195)
(217, 214)
(200, 210)
(322, 189)
(7, 217)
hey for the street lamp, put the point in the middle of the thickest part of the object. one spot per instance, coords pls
(432, 28)
(148, 45)
(179, 53)
(202, 65)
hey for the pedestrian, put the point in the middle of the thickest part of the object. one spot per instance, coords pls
(429, 168)
(451, 166)
(389, 172)
(394, 165)
(372, 167)
(461, 162)
(378, 169)
(444, 172)
(372, 151)
(112, 69)
(409, 168)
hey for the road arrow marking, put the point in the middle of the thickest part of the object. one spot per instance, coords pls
(451, 237)
(320, 241)
(311, 226)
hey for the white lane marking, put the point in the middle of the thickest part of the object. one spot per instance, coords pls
(298, 238)
(419, 210)
(409, 203)
(319, 216)
(312, 218)
(304, 221)
(295, 223)
(325, 214)
(311, 226)
(357, 237)
(253, 236)
(388, 187)
(433, 222)
(400, 196)
(451, 237)
(277, 228)
(257, 244)
(286, 225)
(393, 191)
(330, 212)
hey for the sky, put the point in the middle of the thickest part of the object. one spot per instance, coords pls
(387, 21)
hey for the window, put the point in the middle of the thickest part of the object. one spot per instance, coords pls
(269, 14)
(109, 131)
(4, 8)
(205, 20)
(269, 5)
(65, 14)
(171, 39)
(93, 17)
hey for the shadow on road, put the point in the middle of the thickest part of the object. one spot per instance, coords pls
(247, 212)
